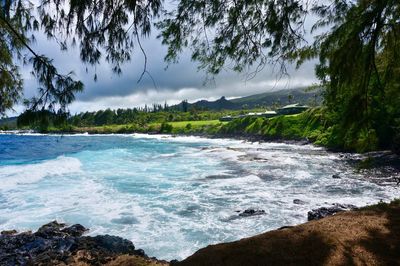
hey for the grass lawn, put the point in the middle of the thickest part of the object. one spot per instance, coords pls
(180, 125)
(194, 123)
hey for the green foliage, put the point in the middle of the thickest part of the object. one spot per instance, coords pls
(256, 126)
(313, 125)
(106, 29)
(358, 53)
(143, 117)
(382, 206)
(359, 64)
(43, 120)
(243, 33)
(166, 128)
(5, 127)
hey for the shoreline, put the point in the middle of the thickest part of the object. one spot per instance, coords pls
(331, 239)
(368, 236)
(121, 258)
(381, 163)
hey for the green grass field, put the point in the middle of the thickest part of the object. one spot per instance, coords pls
(181, 124)
(177, 127)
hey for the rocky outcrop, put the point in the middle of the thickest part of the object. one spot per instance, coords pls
(55, 243)
(299, 202)
(323, 212)
(251, 212)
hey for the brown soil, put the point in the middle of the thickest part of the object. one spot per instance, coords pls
(370, 236)
(123, 260)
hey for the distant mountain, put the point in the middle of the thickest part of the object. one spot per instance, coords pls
(262, 100)
(220, 104)
(281, 97)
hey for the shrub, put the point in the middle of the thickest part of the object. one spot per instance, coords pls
(165, 128)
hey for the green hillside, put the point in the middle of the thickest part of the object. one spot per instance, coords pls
(269, 100)
(281, 97)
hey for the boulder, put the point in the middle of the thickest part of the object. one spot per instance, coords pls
(251, 212)
(298, 201)
(323, 212)
(75, 230)
(9, 232)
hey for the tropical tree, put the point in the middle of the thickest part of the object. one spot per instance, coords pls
(356, 43)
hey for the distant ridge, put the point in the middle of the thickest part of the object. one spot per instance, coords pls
(262, 100)
(10, 122)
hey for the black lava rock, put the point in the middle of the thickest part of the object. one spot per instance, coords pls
(55, 243)
(323, 212)
(75, 230)
(300, 202)
(251, 212)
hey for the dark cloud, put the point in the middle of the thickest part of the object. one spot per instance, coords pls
(177, 82)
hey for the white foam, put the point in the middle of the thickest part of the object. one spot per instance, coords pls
(15, 175)
(171, 207)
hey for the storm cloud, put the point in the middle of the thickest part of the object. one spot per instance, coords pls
(169, 83)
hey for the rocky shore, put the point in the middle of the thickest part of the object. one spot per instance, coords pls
(57, 244)
(366, 236)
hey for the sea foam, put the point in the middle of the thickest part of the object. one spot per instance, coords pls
(15, 175)
(172, 195)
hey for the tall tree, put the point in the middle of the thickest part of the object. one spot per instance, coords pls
(358, 51)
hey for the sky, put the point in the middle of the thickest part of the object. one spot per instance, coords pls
(173, 84)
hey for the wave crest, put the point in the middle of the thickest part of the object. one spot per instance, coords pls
(14, 175)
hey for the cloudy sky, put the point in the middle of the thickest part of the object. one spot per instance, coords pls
(178, 82)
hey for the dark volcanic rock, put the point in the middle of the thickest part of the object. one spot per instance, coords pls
(298, 201)
(113, 244)
(323, 212)
(75, 230)
(336, 176)
(251, 212)
(54, 243)
(9, 232)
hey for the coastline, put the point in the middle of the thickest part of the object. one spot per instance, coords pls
(366, 236)
(375, 164)
(122, 258)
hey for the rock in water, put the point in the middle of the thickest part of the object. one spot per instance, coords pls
(336, 176)
(251, 212)
(323, 212)
(298, 201)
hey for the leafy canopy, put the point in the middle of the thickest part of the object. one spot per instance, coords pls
(100, 28)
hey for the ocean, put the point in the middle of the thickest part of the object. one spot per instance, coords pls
(170, 195)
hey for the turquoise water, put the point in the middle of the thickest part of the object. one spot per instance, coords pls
(169, 196)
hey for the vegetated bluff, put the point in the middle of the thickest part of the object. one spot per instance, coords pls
(267, 99)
